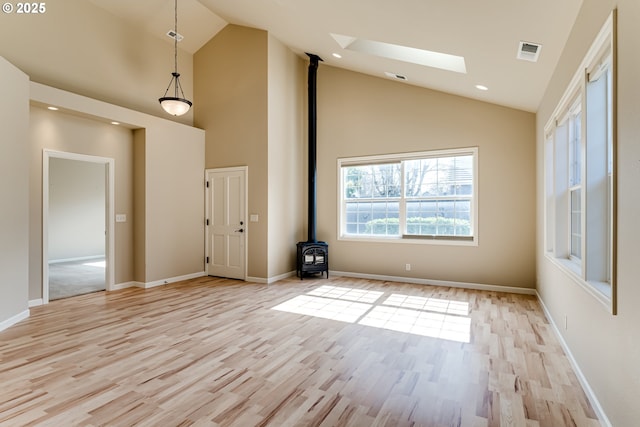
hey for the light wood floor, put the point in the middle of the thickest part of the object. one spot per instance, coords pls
(215, 352)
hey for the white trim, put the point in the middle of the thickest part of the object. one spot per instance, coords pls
(420, 281)
(125, 285)
(398, 157)
(578, 79)
(109, 164)
(13, 320)
(166, 281)
(281, 277)
(270, 280)
(35, 302)
(602, 416)
(417, 240)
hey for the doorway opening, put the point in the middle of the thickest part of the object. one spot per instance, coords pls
(77, 224)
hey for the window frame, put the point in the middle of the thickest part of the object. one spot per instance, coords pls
(344, 163)
(595, 269)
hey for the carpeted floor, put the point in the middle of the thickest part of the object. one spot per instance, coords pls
(67, 279)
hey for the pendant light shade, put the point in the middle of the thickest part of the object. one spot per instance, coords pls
(173, 104)
(177, 104)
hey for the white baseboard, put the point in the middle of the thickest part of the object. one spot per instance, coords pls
(270, 280)
(124, 285)
(465, 285)
(161, 282)
(35, 302)
(13, 320)
(576, 368)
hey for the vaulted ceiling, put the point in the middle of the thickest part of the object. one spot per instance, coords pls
(486, 33)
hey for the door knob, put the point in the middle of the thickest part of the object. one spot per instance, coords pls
(240, 231)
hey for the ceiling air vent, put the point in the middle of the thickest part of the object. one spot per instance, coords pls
(174, 35)
(395, 76)
(529, 51)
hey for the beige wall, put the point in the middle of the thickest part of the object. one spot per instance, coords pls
(169, 175)
(174, 202)
(139, 204)
(286, 157)
(77, 46)
(76, 209)
(606, 347)
(230, 81)
(14, 192)
(59, 131)
(360, 115)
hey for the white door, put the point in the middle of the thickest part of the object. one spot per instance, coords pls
(226, 222)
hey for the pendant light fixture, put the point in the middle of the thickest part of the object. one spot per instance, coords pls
(177, 104)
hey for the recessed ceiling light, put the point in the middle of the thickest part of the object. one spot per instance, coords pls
(53, 108)
(481, 87)
(115, 123)
(337, 55)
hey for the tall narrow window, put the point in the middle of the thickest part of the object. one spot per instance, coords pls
(580, 173)
(575, 183)
(599, 174)
(549, 176)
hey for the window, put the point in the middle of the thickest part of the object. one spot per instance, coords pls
(580, 173)
(429, 196)
(575, 181)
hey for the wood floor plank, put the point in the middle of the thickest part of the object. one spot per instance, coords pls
(217, 352)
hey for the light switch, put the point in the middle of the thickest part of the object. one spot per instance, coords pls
(253, 218)
(121, 217)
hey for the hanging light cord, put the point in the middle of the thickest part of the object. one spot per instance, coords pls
(176, 104)
(175, 80)
(175, 38)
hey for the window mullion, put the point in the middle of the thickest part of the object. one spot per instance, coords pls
(402, 227)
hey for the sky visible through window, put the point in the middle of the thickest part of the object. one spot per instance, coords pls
(425, 316)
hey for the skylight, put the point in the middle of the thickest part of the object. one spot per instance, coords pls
(427, 58)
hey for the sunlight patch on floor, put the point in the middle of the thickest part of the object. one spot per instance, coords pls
(431, 317)
(334, 309)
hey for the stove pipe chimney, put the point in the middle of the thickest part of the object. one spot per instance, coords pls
(312, 256)
(312, 89)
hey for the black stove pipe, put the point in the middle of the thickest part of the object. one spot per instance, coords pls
(313, 68)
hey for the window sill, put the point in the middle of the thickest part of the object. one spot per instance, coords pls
(416, 240)
(601, 291)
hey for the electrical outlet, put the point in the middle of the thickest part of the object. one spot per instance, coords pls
(407, 267)
(566, 323)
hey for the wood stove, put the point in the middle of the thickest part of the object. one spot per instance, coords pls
(312, 256)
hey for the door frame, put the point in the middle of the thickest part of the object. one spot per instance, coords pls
(207, 196)
(109, 163)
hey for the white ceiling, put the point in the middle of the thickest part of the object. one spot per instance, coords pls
(485, 32)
